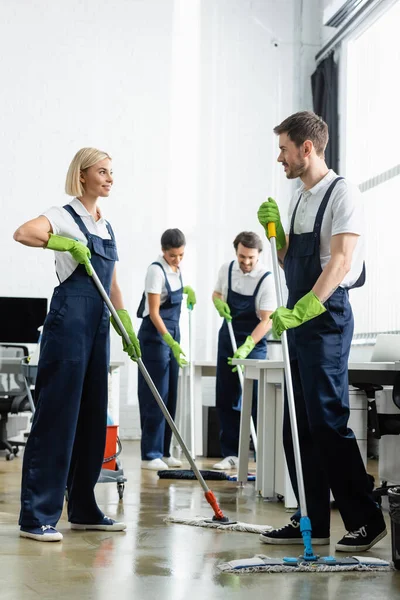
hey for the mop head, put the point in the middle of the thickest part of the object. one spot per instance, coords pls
(264, 564)
(214, 524)
(189, 474)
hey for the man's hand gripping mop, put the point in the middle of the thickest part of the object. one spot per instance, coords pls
(309, 561)
(219, 520)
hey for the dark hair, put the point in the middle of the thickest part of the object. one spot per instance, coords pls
(249, 240)
(172, 238)
(304, 126)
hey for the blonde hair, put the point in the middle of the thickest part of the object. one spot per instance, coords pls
(83, 159)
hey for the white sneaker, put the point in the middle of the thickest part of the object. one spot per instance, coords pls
(229, 462)
(154, 465)
(106, 524)
(171, 461)
(45, 533)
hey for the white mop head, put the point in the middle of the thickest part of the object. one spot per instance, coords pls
(265, 564)
(202, 522)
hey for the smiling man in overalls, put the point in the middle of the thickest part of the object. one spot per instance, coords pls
(322, 258)
(244, 294)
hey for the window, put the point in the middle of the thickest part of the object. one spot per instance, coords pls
(370, 157)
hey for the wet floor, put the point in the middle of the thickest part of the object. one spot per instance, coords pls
(155, 560)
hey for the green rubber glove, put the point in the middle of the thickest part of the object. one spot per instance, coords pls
(307, 308)
(133, 349)
(269, 213)
(243, 351)
(191, 297)
(176, 349)
(78, 251)
(223, 309)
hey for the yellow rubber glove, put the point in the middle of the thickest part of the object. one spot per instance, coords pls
(269, 213)
(243, 351)
(223, 309)
(307, 308)
(191, 297)
(176, 349)
(78, 251)
(133, 349)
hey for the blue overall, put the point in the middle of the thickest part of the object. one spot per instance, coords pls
(228, 389)
(164, 370)
(66, 444)
(319, 351)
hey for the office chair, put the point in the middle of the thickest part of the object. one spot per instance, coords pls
(387, 349)
(13, 396)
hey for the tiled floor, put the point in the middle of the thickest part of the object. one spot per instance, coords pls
(160, 561)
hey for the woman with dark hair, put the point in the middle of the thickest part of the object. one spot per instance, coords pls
(162, 355)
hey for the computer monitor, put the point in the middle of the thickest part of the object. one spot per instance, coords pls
(20, 319)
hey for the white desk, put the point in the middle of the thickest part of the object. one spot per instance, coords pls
(270, 374)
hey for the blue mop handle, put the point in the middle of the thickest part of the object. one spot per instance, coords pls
(305, 524)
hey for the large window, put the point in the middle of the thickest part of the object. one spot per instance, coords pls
(370, 157)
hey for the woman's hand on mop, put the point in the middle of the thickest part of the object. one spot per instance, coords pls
(269, 213)
(133, 349)
(176, 349)
(223, 309)
(243, 351)
(78, 251)
(191, 297)
(307, 308)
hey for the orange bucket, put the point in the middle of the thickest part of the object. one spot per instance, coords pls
(111, 447)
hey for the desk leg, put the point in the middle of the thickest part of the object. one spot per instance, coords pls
(260, 431)
(244, 436)
(268, 425)
(198, 411)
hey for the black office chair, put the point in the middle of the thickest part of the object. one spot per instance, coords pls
(13, 395)
(381, 424)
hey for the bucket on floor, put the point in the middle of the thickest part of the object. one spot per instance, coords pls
(394, 511)
(110, 452)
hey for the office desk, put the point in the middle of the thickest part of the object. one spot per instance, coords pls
(29, 371)
(270, 374)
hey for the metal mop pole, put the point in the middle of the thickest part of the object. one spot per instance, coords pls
(240, 374)
(305, 524)
(218, 514)
(191, 388)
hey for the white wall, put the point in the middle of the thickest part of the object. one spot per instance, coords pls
(184, 96)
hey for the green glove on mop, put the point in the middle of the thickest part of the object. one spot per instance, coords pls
(223, 309)
(269, 213)
(133, 349)
(191, 297)
(78, 251)
(307, 308)
(243, 351)
(176, 349)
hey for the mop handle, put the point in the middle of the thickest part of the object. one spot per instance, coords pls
(191, 387)
(288, 376)
(150, 382)
(241, 379)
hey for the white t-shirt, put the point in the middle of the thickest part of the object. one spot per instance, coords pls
(155, 281)
(343, 214)
(63, 224)
(246, 283)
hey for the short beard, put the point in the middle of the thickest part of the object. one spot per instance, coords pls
(296, 170)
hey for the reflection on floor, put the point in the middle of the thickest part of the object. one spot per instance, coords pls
(153, 560)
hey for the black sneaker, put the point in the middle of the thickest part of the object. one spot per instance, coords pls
(290, 534)
(364, 538)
